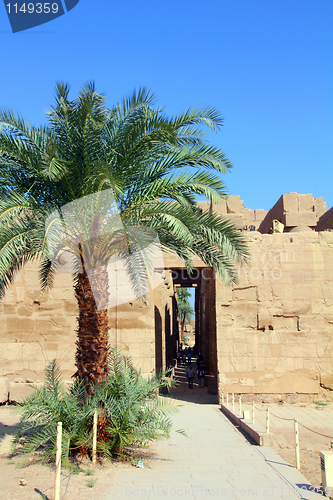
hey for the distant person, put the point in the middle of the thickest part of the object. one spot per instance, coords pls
(200, 359)
(189, 357)
(190, 376)
(179, 358)
(201, 376)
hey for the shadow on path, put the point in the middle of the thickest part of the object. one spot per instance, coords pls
(182, 392)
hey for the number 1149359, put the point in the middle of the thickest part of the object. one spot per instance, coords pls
(32, 8)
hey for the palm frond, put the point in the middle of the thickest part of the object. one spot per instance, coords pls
(130, 412)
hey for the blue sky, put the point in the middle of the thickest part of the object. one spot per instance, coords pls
(266, 65)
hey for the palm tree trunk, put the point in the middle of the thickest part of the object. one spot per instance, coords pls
(182, 327)
(91, 357)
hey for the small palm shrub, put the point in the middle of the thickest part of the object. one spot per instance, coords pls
(130, 412)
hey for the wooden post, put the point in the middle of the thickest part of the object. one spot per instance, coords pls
(240, 406)
(227, 398)
(58, 462)
(267, 421)
(222, 397)
(233, 403)
(296, 444)
(94, 437)
(253, 413)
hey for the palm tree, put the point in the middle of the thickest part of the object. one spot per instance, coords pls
(185, 310)
(155, 166)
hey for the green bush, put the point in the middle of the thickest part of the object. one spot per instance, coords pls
(130, 412)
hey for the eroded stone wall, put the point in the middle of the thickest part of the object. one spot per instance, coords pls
(163, 321)
(36, 327)
(275, 327)
(39, 326)
(295, 210)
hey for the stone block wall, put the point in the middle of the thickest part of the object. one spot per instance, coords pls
(275, 327)
(132, 331)
(39, 326)
(325, 222)
(294, 210)
(233, 208)
(36, 327)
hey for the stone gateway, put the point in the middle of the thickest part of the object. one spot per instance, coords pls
(272, 332)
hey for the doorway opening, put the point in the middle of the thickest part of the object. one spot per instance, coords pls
(200, 330)
(186, 315)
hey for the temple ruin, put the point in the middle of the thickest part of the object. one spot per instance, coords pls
(272, 332)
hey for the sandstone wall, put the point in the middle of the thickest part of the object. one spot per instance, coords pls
(36, 327)
(233, 208)
(294, 210)
(39, 326)
(275, 328)
(163, 322)
(325, 221)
